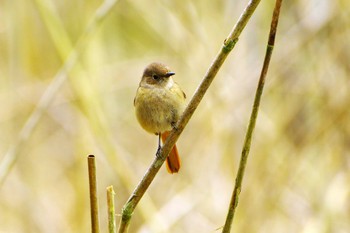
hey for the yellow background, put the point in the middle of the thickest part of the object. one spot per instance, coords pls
(298, 172)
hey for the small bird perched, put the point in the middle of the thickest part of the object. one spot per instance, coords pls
(159, 103)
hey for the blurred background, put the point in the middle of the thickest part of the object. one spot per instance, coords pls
(69, 72)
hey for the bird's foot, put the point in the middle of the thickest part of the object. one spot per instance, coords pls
(159, 152)
(174, 126)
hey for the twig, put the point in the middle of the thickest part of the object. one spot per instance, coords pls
(93, 194)
(101, 13)
(228, 45)
(252, 121)
(111, 210)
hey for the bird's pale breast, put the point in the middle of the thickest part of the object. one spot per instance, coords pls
(157, 109)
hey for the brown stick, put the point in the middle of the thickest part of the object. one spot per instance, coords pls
(93, 195)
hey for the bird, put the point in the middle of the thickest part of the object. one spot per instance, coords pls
(159, 104)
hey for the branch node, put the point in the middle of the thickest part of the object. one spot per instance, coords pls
(127, 212)
(229, 44)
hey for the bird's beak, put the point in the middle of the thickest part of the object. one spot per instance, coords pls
(169, 74)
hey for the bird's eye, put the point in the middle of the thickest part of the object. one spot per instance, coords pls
(155, 77)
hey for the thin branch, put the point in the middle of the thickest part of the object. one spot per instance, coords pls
(95, 228)
(252, 121)
(228, 45)
(111, 210)
(101, 13)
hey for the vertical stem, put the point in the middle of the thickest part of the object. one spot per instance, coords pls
(252, 121)
(111, 210)
(93, 194)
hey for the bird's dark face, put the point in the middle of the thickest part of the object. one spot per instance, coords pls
(156, 74)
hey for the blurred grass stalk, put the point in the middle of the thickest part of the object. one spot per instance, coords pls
(214, 68)
(252, 121)
(69, 54)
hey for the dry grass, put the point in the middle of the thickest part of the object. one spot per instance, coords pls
(297, 178)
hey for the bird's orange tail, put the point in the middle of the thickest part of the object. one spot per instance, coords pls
(173, 161)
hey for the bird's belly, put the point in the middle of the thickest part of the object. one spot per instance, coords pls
(157, 110)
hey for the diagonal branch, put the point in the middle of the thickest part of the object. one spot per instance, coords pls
(147, 179)
(252, 121)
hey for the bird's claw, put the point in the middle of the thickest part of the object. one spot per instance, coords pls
(159, 152)
(174, 126)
